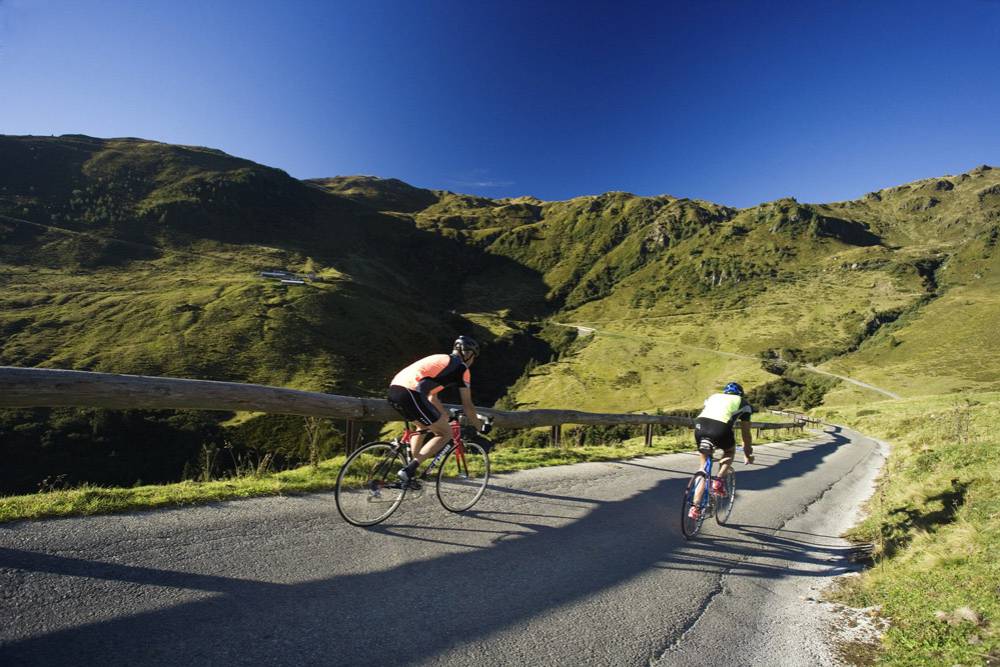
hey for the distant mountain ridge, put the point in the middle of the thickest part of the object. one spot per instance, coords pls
(501, 267)
(891, 255)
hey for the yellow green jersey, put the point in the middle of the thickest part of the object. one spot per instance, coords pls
(726, 408)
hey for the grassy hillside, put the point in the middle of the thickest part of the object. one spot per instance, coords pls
(685, 294)
(901, 300)
(136, 256)
(935, 526)
(133, 256)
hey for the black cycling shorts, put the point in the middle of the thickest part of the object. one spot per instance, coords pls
(709, 434)
(413, 405)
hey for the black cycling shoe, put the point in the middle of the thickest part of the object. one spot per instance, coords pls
(409, 481)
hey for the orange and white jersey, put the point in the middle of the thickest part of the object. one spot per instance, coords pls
(432, 374)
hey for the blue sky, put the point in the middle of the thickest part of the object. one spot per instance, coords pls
(734, 102)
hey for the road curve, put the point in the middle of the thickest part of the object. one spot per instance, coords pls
(568, 565)
(588, 331)
(859, 383)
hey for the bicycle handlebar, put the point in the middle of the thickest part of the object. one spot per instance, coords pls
(457, 413)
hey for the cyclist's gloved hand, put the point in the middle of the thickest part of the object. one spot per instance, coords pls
(487, 425)
(748, 455)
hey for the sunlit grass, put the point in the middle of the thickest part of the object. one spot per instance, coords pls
(680, 355)
(935, 524)
(940, 350)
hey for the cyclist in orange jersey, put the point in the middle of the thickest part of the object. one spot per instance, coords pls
(413, 393)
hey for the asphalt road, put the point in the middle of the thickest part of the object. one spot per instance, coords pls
(579, 564)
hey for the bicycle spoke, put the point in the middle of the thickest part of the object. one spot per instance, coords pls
(463, 477)
(690, 526)
(724, 505)
(368, 490)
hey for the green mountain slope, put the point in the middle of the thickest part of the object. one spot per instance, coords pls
(132, 256)
(685, 294)
(139, 257)
(145, 257)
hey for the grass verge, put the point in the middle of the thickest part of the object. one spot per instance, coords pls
(935, 524)
(88, 500)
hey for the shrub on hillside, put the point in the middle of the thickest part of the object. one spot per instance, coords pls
(103, 447)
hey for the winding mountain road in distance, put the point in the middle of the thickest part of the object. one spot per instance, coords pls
(581, 564)
(585, 331)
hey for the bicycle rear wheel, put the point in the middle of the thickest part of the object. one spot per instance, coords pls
(724, 505)
(368, 490)
(689, 526)
(462, 477)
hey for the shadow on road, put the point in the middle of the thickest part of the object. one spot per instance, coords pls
(390, 617)
(730, 553)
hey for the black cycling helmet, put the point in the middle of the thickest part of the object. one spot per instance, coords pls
(466, 345)
(733, 388)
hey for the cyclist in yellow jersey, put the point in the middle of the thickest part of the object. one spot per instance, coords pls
(714, 428)
(413, 393)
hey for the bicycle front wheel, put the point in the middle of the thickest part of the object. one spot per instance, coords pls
(724, 505)
(462, 477)
(368, 490)
(689, 525)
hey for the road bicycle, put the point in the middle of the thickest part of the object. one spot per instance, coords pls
(368, 490)
(710, 503)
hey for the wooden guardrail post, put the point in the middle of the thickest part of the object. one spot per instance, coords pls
(649, 435)
(350, 436)
(555, 435)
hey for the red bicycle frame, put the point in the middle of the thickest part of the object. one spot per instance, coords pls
(456, 436)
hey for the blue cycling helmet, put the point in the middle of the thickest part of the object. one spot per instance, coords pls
(733, 388)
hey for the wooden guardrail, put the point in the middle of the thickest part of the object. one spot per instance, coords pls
(797, 416)
(44, 387)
